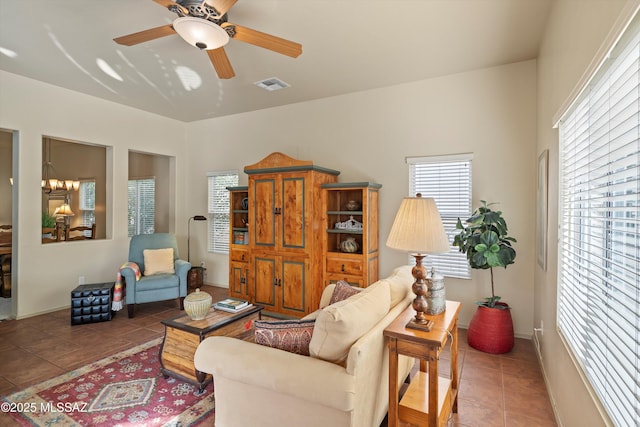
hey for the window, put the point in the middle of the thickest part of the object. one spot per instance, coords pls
(446, 179)
(87, 203)
(599, 253)
(218, 202)
(142, 206)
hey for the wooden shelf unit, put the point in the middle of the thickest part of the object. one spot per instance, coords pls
(290, 249)
(285, 251)
(238, 247)
(359, 268)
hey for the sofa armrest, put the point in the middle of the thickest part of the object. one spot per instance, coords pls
(274, 370)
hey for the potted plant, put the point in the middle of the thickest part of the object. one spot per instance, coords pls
(48, 221)
(486, 243)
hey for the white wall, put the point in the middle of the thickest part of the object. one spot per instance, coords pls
(47, 273)
(574, 33)
(367, 135)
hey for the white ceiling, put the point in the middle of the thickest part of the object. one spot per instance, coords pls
(347, 46)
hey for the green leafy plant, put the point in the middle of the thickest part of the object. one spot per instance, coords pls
(486, 243)
(48, 221)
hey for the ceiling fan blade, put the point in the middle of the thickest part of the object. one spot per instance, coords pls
(168, 3)
(265, 40)
(222, 6)
(221, 63)
(145, 36)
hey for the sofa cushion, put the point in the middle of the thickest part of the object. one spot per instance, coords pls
(158, 261)
(400, 282)
(288, 335)
(339, 325)
(342, 291)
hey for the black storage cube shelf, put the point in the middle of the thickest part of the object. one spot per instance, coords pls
(91, 303)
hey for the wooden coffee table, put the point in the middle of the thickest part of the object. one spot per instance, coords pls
(183, 335)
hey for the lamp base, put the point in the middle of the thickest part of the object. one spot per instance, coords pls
(414, 324)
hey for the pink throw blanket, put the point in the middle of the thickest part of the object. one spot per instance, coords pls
(118, 290)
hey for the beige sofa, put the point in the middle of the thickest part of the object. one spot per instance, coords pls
(262, 386)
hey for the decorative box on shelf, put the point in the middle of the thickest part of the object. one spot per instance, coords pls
(91, 303)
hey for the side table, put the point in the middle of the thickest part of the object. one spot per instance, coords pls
(430, 399)
(195, 278)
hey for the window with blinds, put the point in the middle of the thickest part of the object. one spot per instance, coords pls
(87, 203)
(599, 254)
(447, 180)
(218, 202)
(142, 206)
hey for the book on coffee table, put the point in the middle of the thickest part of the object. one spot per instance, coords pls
(232, 304)
(232, 310)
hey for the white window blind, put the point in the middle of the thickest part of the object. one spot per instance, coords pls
(218, 202)
(446, 179)
(87, 203)
(598, 266)
(142, 206)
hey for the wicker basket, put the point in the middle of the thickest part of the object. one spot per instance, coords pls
(491, 330)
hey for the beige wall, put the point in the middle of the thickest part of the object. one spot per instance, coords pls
(47, 273)
(367, 135)
(574, 34)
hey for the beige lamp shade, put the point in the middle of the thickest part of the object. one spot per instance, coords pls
(64, 210)
(418, 227)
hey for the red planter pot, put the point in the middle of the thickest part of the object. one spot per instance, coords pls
(491, 330)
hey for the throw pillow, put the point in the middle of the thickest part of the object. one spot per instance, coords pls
(288, 335)
(340, 325)
(158, 261)
(342, 291)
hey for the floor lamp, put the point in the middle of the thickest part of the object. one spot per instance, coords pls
(418, 228)
(195, 218)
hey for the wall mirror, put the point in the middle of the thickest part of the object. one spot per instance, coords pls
(73, 190)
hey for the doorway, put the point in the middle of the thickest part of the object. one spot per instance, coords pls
(8, 231)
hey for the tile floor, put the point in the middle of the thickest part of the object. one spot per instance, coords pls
(495, 390)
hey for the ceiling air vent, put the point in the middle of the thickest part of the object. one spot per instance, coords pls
(272, 84)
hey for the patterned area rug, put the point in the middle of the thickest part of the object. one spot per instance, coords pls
(125, 389)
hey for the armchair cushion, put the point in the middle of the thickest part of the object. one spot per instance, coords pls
(339, 325)
(158, 261)
(288, 335)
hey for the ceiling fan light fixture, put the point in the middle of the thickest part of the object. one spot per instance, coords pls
(200, 33)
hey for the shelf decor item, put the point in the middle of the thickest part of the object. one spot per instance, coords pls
(352, 205)
(418, 228)
(350, 224)
(197, 304)
(349, 245)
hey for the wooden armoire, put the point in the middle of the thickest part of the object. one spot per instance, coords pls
(278, 242)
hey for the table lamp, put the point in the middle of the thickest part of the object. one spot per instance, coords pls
(418, 228)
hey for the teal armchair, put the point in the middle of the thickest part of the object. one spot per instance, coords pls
(157, 287)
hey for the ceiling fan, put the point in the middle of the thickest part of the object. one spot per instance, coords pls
(203, 24)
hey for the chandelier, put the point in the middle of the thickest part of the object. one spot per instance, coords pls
(50, 178)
